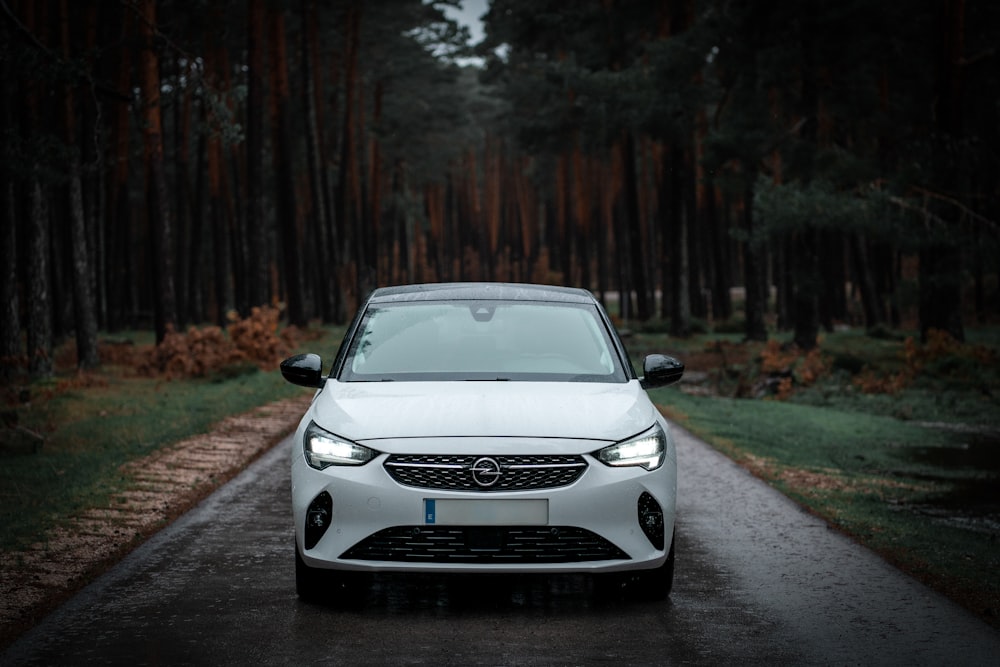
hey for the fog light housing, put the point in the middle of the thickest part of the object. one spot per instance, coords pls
(651, 519)
(318, 517)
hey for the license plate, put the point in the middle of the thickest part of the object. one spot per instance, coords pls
(450, 512)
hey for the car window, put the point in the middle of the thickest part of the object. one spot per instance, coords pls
(482, 340)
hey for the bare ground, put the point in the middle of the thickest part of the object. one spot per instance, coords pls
(167, 483)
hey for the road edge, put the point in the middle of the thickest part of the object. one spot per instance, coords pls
(167, 483)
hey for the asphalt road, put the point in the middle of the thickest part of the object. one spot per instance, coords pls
(758, 581)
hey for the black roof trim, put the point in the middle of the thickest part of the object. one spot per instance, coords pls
(481, 292)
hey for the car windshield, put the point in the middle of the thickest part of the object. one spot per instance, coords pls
(482, 340)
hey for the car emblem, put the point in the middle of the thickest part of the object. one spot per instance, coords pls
(485, 472)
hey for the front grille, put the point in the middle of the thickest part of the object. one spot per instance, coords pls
(484, 544)
(455, 472)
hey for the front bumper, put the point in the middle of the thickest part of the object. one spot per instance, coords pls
(370, 510)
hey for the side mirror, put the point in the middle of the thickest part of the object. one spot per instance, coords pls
(303, 369)
(659, 370)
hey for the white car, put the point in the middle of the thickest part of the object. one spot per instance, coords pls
(483, 428)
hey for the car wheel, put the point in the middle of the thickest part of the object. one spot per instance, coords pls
(655, 584)
(311, 584)
(318, 585)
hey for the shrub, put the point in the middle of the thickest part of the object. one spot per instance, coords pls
(940, 356)
(210, 350)
(785, 367)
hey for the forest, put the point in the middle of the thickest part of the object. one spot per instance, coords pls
(788, 165)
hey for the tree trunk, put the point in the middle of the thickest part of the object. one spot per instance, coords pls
(257, 280)
(10, 318)
(870, 302)
(183, 201)
(781, 265)
(348, 201)
(284, 168)
(636, 257)
(719, 244)
(37, 289)
(373, 229)
(220, 239)
(581, 210)
(122, 288)
(328, 288)
(756, 300)
(941, 257)
(831, 248)
(84, 313)
(677, 235)
(195, 276)
(164, 300)
(94, 204)
(806, 287)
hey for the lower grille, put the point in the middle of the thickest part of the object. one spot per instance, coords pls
(485, 544)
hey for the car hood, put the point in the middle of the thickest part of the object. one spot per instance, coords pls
(363, 411)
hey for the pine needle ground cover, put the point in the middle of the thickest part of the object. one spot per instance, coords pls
(893, 442)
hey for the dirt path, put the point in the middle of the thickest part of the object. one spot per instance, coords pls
(167, 483)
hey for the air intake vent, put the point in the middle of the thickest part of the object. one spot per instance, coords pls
(485, 544)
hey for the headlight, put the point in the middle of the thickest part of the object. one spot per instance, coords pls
(324, 449)
(646, 451)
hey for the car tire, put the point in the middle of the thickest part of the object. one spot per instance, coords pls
(655, 584)
(314, 584)
(311, 584)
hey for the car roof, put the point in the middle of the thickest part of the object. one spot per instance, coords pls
(480, 291)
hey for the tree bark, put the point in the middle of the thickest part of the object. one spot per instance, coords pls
(756, 300)
(183, 201)
(84, 313)
(805, 289)
(719, 257)
(870, 302)
(348, 186)
(373, 229)
(677, 235)
(122, 287)
(637, 252)
(10, 318)
(38, 292)
(164, 299)
(940, 279)
(288, 211)
(256, 275)
(38, 289)
(328, 288)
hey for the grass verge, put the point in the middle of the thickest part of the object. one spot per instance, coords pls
(93, 423)
(912, 474)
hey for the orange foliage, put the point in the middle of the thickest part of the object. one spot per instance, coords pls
(791, 368)
(870, 382)
(257, 336)
(80, 380)
(200, 352)
(774, 358)
(939, 345)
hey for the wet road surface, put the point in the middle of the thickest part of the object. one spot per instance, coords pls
(758, 581)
